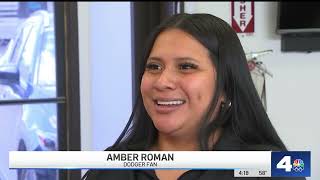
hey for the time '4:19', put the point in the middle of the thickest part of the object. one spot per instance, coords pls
(243, 173)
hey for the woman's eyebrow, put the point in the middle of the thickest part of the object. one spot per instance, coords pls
(186, 59)
(154, 58)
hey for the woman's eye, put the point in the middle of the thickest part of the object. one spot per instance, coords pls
(187, 66)
(153, 67)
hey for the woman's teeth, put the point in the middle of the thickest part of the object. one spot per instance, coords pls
(168, 103)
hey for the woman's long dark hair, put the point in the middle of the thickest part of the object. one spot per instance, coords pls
(246, 117)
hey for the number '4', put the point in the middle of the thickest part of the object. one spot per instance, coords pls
(285, 163)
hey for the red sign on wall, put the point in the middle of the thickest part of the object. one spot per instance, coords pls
(242, 15)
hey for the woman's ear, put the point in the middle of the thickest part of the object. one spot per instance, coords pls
(224, 102)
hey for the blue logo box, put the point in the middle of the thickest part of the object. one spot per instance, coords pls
(291, 164)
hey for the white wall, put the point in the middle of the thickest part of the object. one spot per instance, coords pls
(105, 71)
(85, 75)
(293, 92)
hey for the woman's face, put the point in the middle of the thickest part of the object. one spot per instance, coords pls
(178, 83)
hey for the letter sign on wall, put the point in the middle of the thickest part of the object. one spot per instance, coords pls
(242, 15)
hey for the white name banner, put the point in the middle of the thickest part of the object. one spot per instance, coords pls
(140, 159)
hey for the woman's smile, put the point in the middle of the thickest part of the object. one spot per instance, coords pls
(168, 105)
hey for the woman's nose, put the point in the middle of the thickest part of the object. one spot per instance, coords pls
(166, 80)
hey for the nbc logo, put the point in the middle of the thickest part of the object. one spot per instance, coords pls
(298, 165)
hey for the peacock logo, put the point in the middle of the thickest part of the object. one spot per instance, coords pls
(298, 165)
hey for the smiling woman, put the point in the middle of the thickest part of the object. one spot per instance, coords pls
(196, 94)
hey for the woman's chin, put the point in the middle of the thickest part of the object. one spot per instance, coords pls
(166, 127)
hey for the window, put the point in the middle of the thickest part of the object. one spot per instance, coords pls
(36, 106)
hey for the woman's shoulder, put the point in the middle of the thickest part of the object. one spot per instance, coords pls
(124, 146)
(231, 141)
(229, 175)
(95, 174)
(110, 174)
(262, 147)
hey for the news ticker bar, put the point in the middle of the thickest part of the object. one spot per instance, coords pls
(244, 163)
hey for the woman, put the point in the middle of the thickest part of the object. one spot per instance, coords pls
(196, 94)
